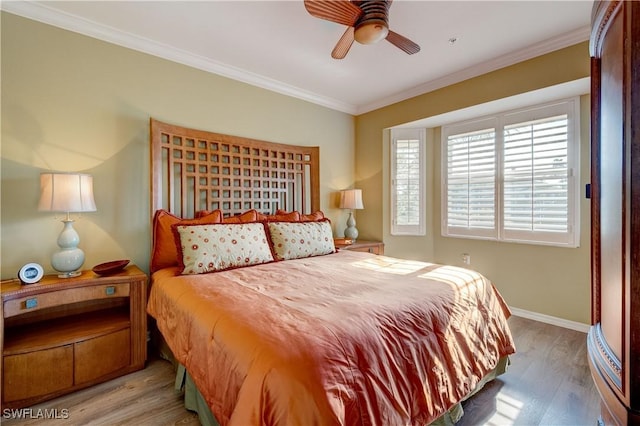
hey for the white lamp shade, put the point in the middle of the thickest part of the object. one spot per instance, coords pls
(66, 192)
(351, 199)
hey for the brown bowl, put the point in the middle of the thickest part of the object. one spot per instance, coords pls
(109, 268)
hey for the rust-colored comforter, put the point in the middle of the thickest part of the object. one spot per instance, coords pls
(349, 338)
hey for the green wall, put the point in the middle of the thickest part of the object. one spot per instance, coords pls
(547, 280)
(74, 103)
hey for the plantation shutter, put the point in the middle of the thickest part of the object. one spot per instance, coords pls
(471, 183)
(537, 178)
(514, 176)
(407, 182)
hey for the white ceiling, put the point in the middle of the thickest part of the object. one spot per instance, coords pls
(279, 46)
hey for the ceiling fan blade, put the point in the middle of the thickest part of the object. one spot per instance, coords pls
(341, 11)
(344, 44)
(403, 43)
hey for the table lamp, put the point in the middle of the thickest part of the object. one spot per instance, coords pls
(68, 193)
(351, 199)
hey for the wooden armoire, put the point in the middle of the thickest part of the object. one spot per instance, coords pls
(614, 339)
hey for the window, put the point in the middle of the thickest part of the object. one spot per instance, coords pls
(407, 182)
(471, 180)
(514, 176)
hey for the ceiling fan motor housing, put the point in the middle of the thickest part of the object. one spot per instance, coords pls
(373, 25)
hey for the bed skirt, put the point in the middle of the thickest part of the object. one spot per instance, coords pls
(193, 400)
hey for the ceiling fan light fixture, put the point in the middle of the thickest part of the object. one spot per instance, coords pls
(367, 22)
(371, 33)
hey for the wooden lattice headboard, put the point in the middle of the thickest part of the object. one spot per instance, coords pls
(193, 170)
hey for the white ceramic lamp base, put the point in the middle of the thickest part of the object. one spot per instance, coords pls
(70, 258)
(351, 231)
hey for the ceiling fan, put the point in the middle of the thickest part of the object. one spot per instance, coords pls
(367, 21)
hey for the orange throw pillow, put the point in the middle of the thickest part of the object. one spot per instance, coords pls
(312, 217)
(246, 217)
(280, 216)
(164, 253)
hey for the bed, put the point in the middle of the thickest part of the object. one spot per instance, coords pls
(270, 324)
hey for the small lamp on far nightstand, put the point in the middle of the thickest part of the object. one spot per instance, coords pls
(68, 193)
(351, 199)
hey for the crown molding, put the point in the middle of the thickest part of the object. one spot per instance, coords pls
(42, 13)
(538, 49)
(38, 11)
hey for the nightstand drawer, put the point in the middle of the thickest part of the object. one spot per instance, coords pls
(375, 247)
(37, 373)
(63, 297)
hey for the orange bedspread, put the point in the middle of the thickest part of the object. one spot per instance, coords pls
(349, 338)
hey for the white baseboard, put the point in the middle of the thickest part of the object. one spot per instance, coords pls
(560, 322)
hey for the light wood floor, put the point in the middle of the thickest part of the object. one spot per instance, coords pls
(548, 383)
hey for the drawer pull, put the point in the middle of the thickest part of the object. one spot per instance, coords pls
(110, 290)
(31, 303)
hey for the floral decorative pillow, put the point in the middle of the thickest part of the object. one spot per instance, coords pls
(295, 240)
(216, 247)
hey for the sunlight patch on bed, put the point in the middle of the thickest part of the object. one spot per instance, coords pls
(447, 277)
(390, 265)
(462, 280)
(507, 410)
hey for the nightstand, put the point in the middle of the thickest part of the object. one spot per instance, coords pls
(375, 247)
(61, 335)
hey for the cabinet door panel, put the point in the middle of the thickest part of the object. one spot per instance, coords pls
(612, 189)
(37, 373)
(102, 355)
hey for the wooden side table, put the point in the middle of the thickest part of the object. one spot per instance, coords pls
(60, 335)
(375, 247)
